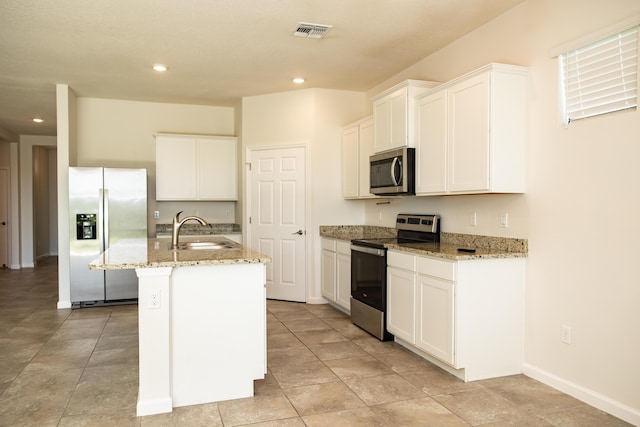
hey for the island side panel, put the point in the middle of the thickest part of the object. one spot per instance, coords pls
(154, 392)
(218, 332)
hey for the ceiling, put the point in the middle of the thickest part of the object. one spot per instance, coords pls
(217, 50)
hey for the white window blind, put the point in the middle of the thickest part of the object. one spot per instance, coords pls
(602, 77)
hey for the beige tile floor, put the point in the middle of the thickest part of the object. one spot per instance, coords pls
(79, 368)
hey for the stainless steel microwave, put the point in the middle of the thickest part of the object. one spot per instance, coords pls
(392, 173)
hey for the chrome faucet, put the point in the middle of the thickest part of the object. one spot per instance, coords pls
(177, 224)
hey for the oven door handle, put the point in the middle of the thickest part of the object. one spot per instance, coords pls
(367, 250)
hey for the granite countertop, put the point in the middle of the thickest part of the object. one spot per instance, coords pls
(155, 253)
(195, 229)
(485, 247)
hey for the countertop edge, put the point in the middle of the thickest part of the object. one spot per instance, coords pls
(154, 253)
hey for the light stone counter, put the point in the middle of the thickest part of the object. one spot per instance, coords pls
(485, 247)
(155, 253)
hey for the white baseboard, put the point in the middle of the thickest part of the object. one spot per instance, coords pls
(600, 401)
(154, 406)
(317, 300)
(15, 266)
(64, 304)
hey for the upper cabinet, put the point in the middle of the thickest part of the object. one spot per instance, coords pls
(470, 133)
(357, 146)
(393, 115)
(196, 167)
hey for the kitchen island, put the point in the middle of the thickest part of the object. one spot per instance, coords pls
(201, 320)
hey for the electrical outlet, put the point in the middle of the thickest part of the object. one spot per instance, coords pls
(504, 219)
(566, 334)
(156, 214)
(154, 302)
(473, 219)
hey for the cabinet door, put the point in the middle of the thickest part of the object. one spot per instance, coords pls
(366, 150)
(328, 274)
(382, 124)
(469, 135)
(176, 177)
(343, 279)
(435, 310)
(401, 304)
(217, 168)
(399, 122)
(431, 144)
(350, 162)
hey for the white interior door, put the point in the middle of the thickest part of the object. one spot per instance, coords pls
(278, 218)
(4, 217)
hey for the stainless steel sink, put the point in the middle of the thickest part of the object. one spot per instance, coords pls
(214, 245)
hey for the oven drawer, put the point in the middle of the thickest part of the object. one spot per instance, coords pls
(433, 267)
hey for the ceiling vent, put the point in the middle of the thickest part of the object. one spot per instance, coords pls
(311, 31)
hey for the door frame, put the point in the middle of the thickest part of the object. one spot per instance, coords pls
(7, 201)
(246, 199)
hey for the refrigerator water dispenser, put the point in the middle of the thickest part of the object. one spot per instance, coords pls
(86, 226)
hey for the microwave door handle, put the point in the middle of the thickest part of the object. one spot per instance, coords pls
(396, 162)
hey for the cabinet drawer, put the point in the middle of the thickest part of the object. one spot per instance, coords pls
(328, 244)
(441, 269)
(399, 260)
(343, 247)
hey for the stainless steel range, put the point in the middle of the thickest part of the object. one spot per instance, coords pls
(369, 270)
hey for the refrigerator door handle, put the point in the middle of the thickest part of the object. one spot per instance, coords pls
(101, 221)
(105, 216)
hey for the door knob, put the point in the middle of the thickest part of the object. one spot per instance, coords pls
(4, 222)
(299, 232)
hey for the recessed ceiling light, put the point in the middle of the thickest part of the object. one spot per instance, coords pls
(160, 67)
(298, 80)
(38, 120)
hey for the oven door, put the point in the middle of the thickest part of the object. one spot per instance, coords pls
(369, 276)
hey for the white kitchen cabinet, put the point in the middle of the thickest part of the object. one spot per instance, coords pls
(328, 269)
(196, 167)
(336, 272)
(217, 168)
(401, 295)
(434, 324)
(357, 146)
(343, 275)
(478, 122)
(176, 177)
(466, 316)
(431, 143)
(394, 117)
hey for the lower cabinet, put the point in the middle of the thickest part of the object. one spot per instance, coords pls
(401, 288)
(466, 316)
(336, 272)
(434, 324)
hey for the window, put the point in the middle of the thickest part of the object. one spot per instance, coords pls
(600, 77)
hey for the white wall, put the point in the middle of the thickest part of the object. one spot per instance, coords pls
(580, 212)
(313, 117)
(117, 133)
(67, 145)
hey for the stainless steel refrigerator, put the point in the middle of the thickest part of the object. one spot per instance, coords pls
(107, 207)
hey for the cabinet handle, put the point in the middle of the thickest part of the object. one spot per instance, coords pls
(299, 232)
